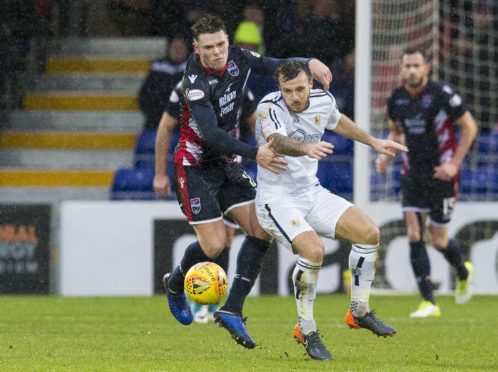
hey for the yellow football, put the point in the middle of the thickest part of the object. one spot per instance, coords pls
(206, 283)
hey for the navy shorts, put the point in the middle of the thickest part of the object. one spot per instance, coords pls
(208, 191)
(435, 197)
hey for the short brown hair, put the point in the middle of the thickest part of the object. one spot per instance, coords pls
(289, 70)
(408, 51)
(207, 24)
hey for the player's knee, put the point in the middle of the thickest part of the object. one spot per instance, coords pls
(214, 245)
(230, 233)
(439, 242)
(314, 252)
(372, 235)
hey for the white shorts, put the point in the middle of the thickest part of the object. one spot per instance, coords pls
(317, 210)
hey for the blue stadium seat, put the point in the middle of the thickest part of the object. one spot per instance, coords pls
(145, 146)
(336, 176)
(133, 184)
(476, 182)
(342, 145)
(487, 143)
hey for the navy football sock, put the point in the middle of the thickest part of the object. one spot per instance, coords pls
(193, 254)
(454, 257)
(249, 262)
(222, 259)
(422, 269)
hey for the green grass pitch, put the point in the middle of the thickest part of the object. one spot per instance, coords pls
(139, 334)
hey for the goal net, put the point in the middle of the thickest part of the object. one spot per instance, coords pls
(460, 38)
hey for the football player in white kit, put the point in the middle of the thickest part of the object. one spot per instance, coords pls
(296, 210)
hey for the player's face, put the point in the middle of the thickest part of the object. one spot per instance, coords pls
(212, 49)
(296, 92)
(414, 70)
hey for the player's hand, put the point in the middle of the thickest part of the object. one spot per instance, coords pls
(318, 150)
(162, 186)
(381, 163)
(446, 171)
(388, 147)
(268, 159)
(320, 72)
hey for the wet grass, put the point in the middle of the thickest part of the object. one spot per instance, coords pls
(138, 334)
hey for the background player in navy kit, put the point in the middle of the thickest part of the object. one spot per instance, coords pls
(208, 183)
(296, 210)
(422, 114)
(162, 183)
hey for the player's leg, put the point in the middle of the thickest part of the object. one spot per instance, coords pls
(237, 200)
(310, 249)
(416, 205)
(419, 259)
(449, 248)
(442, 204)
(203, 212)
(357, 228)
(249, 262)
(285, 221)
(206, 312)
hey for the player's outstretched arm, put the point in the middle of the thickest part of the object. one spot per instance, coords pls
(395, 134)
(161, 183)
(287, 146)
(347, 128)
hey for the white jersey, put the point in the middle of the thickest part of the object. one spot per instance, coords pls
(273, 116)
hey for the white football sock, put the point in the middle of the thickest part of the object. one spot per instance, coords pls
(305, 279)
(362, 265)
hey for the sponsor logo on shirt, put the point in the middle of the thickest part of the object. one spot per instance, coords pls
(426, 100)
(301, 136)
(402, 101)
(194, 94)
(225, 101)
(317, 120)
(232, 68)
(192, 78)
(214, 81)
(415, 125)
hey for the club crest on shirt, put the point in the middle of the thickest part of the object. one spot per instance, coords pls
(232, 68)
(195, 205)
(295, 223)
(317, 120)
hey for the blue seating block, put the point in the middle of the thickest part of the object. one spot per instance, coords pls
(342, 145)
(133, 184)
(336, 176)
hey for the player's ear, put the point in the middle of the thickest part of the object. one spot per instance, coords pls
(196, 47)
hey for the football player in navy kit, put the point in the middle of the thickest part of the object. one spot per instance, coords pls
(422, 114)
(208, 183)
(162, 183)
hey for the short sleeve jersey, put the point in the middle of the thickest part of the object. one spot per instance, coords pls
(428, 123)
(221, 91)
(273, 116)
